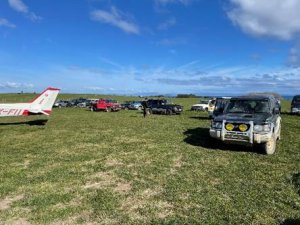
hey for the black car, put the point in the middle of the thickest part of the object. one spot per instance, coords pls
(253, 120)
(125, 105)
(295, 105)
(162, 106)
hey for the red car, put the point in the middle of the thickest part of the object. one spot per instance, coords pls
(106, 105)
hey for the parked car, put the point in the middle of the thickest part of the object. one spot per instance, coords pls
(204, 105)
(221, 103)
(137, 105)
(250, 120)
(295, 105)
(126, 105)
(62, 103)
(85, 103)
(162, 106)
(107, 105)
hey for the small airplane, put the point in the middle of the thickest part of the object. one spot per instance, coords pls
(42, 104)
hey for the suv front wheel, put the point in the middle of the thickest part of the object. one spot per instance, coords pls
(270, 146)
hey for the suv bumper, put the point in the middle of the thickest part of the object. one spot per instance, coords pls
(295, 110)
(240, 137)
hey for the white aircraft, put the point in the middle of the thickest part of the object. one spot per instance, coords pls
(42, 104)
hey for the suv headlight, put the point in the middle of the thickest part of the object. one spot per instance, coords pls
(262, 128)
(216, 125)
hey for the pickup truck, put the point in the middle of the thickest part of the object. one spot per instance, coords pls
(106, 105)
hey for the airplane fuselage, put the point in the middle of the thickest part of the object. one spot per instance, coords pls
(17, 109)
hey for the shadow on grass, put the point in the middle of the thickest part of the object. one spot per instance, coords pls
(200, 137)
(296, 182)
(291, 222)
(30, 123)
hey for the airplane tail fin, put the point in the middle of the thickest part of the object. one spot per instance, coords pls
(44, 102)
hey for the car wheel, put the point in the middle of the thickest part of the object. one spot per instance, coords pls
(169, 112)
(108, 109)
(270, 146)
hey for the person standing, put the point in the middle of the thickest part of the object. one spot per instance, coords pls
(145, 107)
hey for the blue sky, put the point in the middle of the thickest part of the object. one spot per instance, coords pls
(139, 47)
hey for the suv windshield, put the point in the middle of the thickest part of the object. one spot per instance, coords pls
(221, 104)
(248, 106)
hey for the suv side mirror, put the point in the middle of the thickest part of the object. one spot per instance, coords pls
(276, 110)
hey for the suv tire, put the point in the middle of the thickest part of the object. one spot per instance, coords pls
(270, 146)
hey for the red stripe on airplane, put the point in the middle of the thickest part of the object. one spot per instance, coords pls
(48, 89)
(25, 113)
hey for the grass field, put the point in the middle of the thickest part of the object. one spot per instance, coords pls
(119, 168)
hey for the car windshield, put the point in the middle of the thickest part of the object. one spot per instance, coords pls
(204, 102)
(248, 106)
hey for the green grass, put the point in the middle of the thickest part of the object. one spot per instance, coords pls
(119, 168)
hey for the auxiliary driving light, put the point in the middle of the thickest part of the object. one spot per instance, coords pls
(229, 126)
(243, 127)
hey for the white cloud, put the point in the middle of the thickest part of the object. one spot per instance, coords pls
(115, 18)
(19, 6)
(15, 85)
(167, 24)
(276, 18)
(6, 23)
(96, 88)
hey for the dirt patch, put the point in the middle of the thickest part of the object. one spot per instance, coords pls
(177, 163)
(26, 164)
(103, 180)
(137, 206)
(113, 162)
(164, 209)
(84, 217)
(20, 221)
(123, 187)
(148, 193)
(6, 203)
